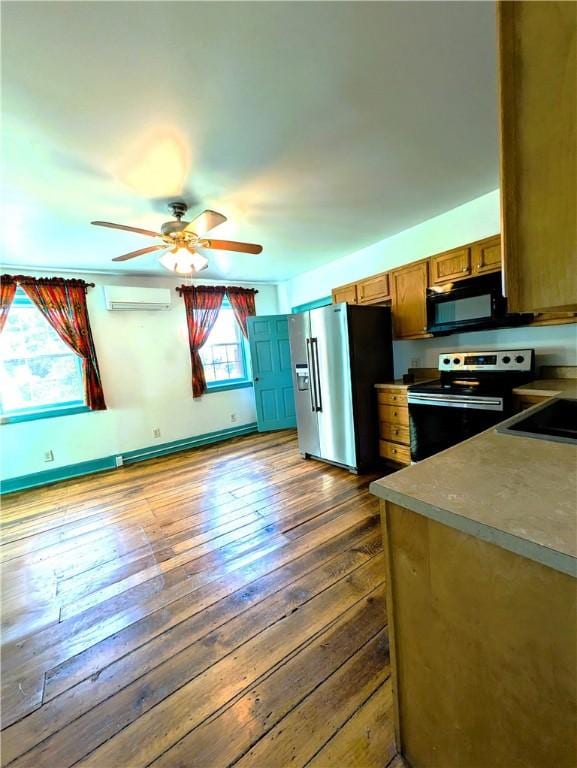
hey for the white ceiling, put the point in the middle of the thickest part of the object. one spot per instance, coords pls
(318, 128)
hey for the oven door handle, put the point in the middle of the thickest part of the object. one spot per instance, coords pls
(475, 402)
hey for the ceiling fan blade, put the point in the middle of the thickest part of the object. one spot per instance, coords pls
(148, 232)
(205, 221)
(231, 245)
(141, 252)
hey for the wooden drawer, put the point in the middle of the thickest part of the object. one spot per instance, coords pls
(394, 452)
(374, 289)
(394, 414)
(394, 433)
(392, 397)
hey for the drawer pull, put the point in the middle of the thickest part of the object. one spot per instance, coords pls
(396, 432)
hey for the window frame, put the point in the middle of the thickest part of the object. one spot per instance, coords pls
(52, 410)
(238, 383)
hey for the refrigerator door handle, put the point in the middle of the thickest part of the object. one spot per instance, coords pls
(312, 385)
(318, 393)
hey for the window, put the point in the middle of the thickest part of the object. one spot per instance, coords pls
(39, 373)
(224, 354)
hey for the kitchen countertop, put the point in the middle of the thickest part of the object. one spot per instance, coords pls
(518, 493)
(549, 388)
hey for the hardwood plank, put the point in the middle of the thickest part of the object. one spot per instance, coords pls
(367, 739)
(159, 728)
(189, 587)
(354, 645)
(64, 642)
(54, 715)
(241, 594)
(149, 715)
(307, 728)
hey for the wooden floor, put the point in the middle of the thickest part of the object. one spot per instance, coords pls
(217, 607)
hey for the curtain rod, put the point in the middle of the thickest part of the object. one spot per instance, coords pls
(180, 288)
(46, 280)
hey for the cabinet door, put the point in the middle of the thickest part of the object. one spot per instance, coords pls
(486, 255)
(346, 293)
(451, 266)
(374, 289)
(538, 108)
(409, 300)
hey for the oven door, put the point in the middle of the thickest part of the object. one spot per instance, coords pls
(440, 421)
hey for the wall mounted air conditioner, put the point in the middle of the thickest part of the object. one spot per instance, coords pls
(121, 297)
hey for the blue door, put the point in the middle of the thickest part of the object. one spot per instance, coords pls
(271, 371)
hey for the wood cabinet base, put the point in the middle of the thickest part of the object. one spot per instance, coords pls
(483, 650)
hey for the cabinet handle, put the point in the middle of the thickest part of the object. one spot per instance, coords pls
(465, 269)
(479, 265)
(395, 432)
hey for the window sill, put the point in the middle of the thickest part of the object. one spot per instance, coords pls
(225, 387)
(48, 413)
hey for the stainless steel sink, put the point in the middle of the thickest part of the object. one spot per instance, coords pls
(554, 420)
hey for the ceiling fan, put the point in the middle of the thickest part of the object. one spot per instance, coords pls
(180, 238)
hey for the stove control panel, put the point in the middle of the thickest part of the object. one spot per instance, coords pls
(497, 360)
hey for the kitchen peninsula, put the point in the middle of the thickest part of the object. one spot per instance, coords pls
(481, 547)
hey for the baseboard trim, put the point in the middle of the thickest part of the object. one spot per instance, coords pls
(154, 451)
(50, 476)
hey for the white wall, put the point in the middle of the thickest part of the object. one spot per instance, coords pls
(472, 221)
(554, 345)
(145, 366)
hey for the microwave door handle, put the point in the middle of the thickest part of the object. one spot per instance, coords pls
(312, 386)
(315, 347)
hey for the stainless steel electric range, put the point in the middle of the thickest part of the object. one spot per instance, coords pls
(474, 392)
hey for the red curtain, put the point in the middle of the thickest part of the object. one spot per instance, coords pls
(243, 305)
(202, 304)
(63, 304)
(7, 291)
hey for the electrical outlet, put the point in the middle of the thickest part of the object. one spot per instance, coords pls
(156, 432)
(416, 362)
(233, 417)
(48, 456)
(119, 461)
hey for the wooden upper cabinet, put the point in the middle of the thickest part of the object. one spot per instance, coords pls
(538, 83)
(467, 261)
(486, 255)
(409, 293)
(346, 293)
(374, 289)
(450, 266)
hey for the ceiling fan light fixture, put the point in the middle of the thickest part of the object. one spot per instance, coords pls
(183, 261)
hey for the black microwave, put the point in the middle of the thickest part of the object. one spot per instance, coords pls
(476, 303)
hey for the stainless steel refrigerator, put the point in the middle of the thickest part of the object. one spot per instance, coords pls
(338, 354)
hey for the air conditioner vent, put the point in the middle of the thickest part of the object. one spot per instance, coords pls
(122, 297)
